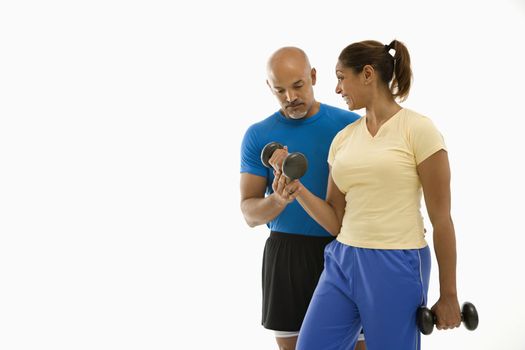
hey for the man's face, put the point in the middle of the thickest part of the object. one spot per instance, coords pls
(293, 87)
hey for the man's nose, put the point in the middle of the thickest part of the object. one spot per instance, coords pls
(290, 96)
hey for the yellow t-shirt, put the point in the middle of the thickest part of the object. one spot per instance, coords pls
(379, 178)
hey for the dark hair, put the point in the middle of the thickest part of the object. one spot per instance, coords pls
(394, 69)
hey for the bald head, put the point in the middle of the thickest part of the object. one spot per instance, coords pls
(287, 59)
(291, 80)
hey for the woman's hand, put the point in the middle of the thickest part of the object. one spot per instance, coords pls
(447, 312)
(286, 191)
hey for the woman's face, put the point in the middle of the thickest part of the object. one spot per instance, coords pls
(350, 86)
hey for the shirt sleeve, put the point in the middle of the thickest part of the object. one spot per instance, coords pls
(425, 139)
(334, 147)
(251, 154)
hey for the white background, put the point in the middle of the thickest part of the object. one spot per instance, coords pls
(120, 130)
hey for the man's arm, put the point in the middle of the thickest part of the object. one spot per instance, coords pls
(256, 208)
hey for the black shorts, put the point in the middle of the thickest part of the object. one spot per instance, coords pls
(292, 265)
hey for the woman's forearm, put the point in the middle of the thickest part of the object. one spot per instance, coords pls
(321, 211)
(445, 249)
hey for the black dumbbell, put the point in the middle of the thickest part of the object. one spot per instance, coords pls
(294, 165)
(426, 318)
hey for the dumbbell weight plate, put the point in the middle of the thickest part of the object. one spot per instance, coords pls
(470, 316)
(295, 165)
(425, 320)
(267, 152)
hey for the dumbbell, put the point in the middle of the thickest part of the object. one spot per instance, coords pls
(426, 318)
(294, 165)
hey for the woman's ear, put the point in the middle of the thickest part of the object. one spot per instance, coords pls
(368, 74)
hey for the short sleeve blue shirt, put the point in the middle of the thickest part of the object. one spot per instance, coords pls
(312, 137)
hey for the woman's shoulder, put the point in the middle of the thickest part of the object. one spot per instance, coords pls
(345, 134)
(412, 119)
(350, 128)
(413, 116)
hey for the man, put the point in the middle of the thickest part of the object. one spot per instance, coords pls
(293, 254)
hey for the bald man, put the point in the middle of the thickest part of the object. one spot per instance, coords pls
(294, 251)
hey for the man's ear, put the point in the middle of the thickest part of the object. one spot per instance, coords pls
(313, 75)
(268, 83)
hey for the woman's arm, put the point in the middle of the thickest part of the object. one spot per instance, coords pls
(434, 174)
(329, 212)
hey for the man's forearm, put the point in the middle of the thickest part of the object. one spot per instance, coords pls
(259, 211)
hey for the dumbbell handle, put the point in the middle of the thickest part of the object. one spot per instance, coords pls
(435, 320)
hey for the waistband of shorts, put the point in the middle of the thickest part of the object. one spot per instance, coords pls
(296, 236)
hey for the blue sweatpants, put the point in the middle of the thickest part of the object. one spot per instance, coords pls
(377, 289)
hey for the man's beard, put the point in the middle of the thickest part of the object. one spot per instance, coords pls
(297, 115)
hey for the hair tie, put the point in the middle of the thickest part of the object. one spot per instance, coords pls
(388, 48)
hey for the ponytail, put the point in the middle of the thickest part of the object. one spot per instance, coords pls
(402, 77)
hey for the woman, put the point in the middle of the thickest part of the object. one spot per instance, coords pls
(377, 270)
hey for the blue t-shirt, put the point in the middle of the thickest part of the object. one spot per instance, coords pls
(312, 137)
